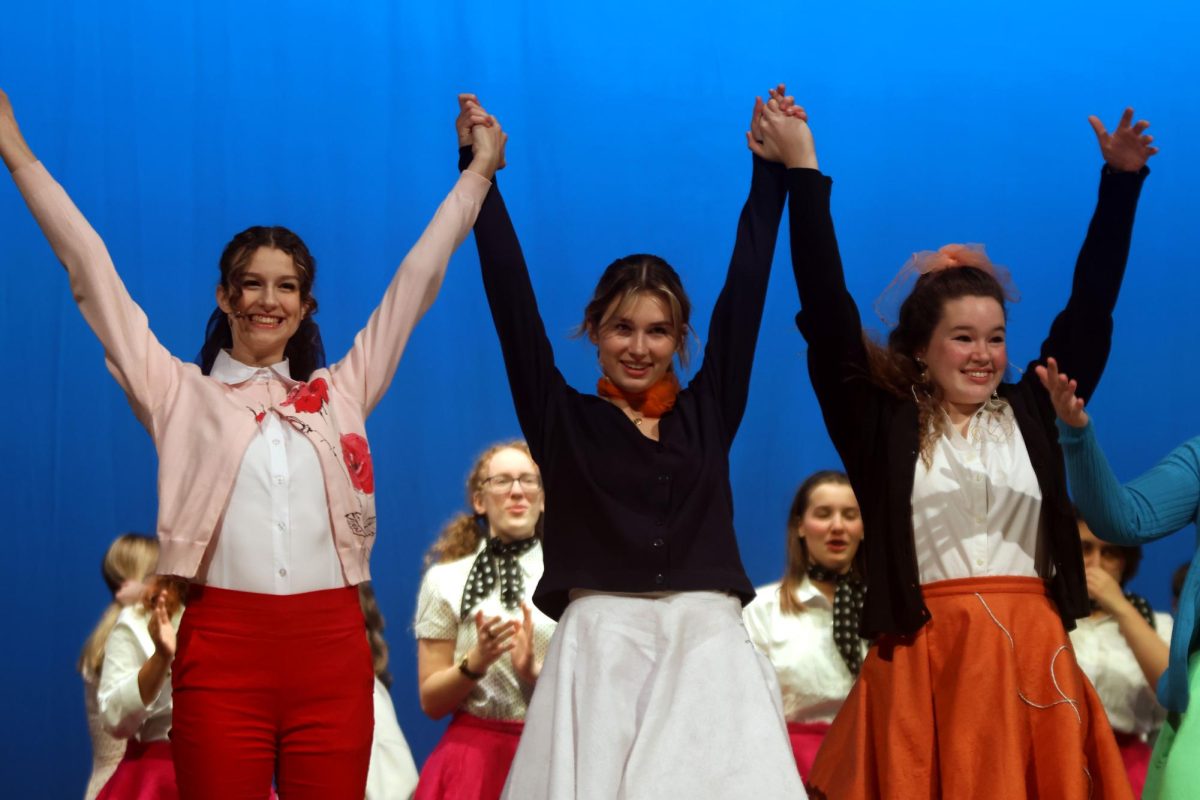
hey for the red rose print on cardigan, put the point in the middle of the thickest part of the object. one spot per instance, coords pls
(308, 398)
(358, 462)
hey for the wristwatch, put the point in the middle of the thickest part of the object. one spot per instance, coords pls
(470, 673)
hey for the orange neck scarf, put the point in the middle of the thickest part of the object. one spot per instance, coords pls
(654, 402)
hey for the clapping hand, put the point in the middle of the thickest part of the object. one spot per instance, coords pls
(1128, 148)
(524, 661)
(162, 631)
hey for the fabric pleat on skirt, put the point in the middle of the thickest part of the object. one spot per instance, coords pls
(470, 760)
(1174, 772)
(985, 701)
(146, 772)
(806, 742)
(651, 698)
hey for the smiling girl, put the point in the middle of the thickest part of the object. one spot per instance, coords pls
(650, 687)
(973, 565)
(480, 646)
(266, 490)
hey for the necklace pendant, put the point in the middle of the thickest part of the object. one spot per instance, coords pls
(637, 420)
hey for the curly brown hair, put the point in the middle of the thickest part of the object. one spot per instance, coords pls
(460, 536)
(896, 366)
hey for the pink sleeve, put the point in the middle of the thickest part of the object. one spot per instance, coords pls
(365, 372)
(142, 366)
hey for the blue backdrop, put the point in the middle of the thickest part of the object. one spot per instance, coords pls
(174, 125)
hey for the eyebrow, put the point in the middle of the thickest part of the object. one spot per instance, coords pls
(972, 328)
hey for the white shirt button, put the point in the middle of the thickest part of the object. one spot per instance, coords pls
(279, 480)
(282, 572)
(979, 562)
(281, 525)
(275, 441)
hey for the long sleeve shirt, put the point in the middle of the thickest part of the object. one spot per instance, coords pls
(630, 514)
(1153, 505)
(122, 711)
(201, 427)
(876, 433)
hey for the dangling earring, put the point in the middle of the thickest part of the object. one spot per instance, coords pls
(922, 379)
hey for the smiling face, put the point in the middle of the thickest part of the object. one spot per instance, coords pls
(831, 526)
(636, 343)
(967, 352)
(267, 310)
(513, 511)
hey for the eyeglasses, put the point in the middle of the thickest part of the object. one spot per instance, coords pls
(502, 484)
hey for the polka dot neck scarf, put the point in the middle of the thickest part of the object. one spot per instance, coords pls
(847, 611)
(497, 563)
(1139, 603)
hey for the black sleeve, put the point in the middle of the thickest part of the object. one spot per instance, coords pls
(528, 356)
(737, 314)
(1081, 336)
(828, 319)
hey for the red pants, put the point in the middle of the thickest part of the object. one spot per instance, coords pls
(272, 685)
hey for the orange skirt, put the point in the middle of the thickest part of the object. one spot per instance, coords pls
(984, 701)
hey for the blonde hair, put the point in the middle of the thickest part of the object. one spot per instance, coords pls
(797, 548)
(460, 536)
(131, 557)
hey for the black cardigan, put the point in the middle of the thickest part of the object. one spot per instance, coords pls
(625, 513)
(876, 432)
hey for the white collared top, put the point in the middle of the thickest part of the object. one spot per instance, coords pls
(1111, 666)
(500, 694)
(976, 509)
(275, 536)
(122, 711)
(813, 678)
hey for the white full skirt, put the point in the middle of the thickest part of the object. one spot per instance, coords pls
(654, 698)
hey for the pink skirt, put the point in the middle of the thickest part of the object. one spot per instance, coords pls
(1136, 755)
(146, 772)
(471, 760)
(806, 741)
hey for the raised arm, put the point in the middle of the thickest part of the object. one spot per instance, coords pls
(1152, 506)
(528, 355)
(131, 681)
(737, 314)
(366, 371)
(13, 148)
(1081, 336)
(143, 368)
(828, 318)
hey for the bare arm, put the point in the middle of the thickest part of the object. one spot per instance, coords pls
(13, 149)
(442, 685)
(1148, 647)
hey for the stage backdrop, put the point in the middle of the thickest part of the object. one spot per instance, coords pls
(175, 125)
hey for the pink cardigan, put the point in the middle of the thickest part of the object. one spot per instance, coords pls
(188, 414)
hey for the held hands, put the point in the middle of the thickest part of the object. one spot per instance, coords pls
(779, 131)
(479, 129)
(162, 632)
(1128, 148)
(524, 662)
(1067, 405)
(493, 638)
